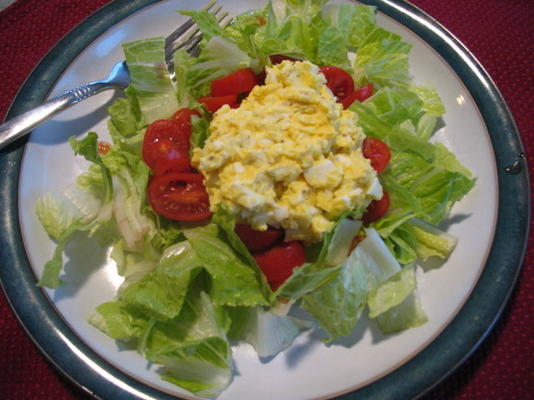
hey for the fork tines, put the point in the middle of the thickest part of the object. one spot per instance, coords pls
(188, 36)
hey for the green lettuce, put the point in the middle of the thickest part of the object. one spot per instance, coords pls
(338, 304)
(234, 282)
(408, 314)
(268, 332)
(76, 210)
(326, 265)
(161, 293)
(150, 79)
(392, 292)
(192, 348)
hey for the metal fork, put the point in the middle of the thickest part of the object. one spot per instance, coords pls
(187, 37)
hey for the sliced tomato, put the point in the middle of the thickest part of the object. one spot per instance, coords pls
(278, 58)
(278, 262)
(258, 240)
(169, 157)
(165, 129)
(179, 196)
(163, 137)
(377, 152)
(377, 209)
(241, 81)
(261, 77)
(338, 81)
(183, 118)
(360, 94)
(212, 103)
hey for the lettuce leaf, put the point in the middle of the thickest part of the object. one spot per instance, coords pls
(269, 333)
(327, 264)
(338, 304)
(193, 348)
(383, 62)
(150, 79)
(206, 23)
(161, 293)
(408, 314)
(392, 292)
(225, 220)
(76, 210)
(234, 282)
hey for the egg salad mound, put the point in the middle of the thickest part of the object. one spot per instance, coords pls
(288, 157)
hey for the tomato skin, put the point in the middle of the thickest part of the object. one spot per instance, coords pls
(212, 103)
(377, 152)
(360, 94)
(278, 262)
(164, 139)
(278, 58)
(338, 81)
(377, 209)
(241, 81)
(261, 77)
(179, 196)
(183, 118)
(170, 158)
(258, 240)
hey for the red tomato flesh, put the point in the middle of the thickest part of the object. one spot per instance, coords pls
(179, 196)
(360, 94)
(258, 240)
(169, 157)
(377, 152)
(183, 118)
(278, 262)
(241, 81)
(377, 209)
(212, 103)
(338, 81)
(164, 139)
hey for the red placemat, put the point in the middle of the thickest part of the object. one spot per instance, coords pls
(500, 33)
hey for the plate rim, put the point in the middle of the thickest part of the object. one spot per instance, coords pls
(466, 330)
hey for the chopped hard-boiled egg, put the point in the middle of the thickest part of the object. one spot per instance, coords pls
(289, 156)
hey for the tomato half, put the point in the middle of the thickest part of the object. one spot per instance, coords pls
(360, 94)
(338, 81)
(169, 157)
(165, 140)
(377, 209)
(213, 103)
(179, 196)
(278, 262)
(258, 240)
(241, 81)
(377, 152)
(183, 118)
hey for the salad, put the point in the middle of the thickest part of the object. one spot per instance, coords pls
(207, 261)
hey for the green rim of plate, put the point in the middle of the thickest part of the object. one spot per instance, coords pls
(458, 340)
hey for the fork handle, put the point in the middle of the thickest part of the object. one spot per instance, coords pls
(24, 123)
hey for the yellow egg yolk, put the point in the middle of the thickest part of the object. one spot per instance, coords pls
(288, 157)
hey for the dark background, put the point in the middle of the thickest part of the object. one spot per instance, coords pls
(500, 34)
